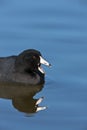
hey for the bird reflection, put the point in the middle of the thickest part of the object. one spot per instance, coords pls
(22, 96)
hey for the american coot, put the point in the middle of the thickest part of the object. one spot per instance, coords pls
(24, 68)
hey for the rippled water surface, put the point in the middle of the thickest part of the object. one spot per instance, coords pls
(59, 30)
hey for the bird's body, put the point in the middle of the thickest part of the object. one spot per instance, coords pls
(24, 68)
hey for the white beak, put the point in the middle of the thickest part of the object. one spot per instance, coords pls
(44, 62)
(41, 70)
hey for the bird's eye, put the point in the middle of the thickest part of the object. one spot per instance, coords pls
(34, 57)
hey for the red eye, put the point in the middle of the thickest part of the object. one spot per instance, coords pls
(34, 57)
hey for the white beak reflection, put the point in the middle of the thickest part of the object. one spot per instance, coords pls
(40, 108)
(39, 100)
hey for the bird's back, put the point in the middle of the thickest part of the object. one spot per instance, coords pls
(6, 66)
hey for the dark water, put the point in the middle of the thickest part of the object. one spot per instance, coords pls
(59, 30)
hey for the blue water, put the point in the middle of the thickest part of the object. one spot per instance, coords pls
(59, 30)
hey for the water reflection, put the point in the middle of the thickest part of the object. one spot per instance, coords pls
(22, 96)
